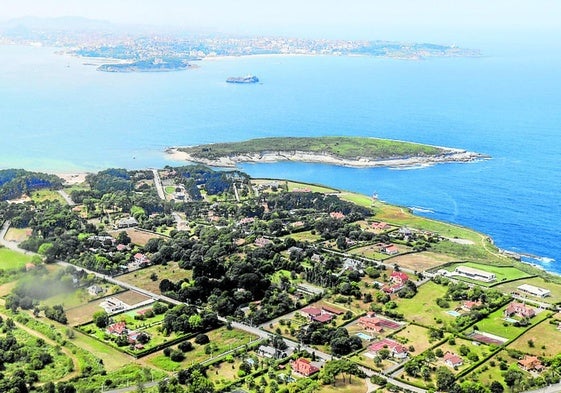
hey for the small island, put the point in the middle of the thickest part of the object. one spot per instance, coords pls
(343, 151)
(243, 79)
(155, 65)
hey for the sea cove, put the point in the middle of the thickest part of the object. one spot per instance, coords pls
(60, 115)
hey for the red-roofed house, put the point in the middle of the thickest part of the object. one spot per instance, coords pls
(399, 277)
(323, 318)
(141, 259)
(311, 311)
(371, 323)
(519, 310)
(397, 350)
(468, 305)
(531, 363)
(452, 360)
(304, 367)
(262, 242)
(337, 215)
(332, 310)
(117, 328)
(380, 225)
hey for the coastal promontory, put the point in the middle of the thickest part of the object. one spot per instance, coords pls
(343, 151)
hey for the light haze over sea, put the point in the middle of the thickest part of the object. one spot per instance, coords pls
(57, 114)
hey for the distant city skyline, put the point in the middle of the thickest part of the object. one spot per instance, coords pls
(354, 19)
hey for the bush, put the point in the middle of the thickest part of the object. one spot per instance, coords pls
(202, 339)
(185, 346)
(176, 355)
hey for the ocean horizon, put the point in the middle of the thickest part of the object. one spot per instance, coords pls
(59, 115)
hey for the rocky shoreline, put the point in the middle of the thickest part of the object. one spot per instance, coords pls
(449, 156)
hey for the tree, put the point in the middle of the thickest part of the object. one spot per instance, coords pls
(496, 387)
(444, 379)
(101, 319)
(200, 384)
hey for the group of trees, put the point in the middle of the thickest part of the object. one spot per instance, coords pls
(16, 182)
(338, 339)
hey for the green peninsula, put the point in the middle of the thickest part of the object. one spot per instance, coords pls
(344, 151)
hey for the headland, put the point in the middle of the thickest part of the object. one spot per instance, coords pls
(341, 151)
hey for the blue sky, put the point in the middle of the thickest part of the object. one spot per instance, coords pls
(352, 19)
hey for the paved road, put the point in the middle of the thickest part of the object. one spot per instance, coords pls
(66, 197)
(158, 184)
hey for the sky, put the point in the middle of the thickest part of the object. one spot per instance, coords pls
(349, 19)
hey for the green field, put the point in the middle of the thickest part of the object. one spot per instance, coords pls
(545, 338)
(422, 308)
(414, 335)
(537, 282)
(495, 324)
(221, 340)
(47, 195)
(10, 260)
(503, 273)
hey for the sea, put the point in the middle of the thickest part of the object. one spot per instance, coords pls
(58, 114)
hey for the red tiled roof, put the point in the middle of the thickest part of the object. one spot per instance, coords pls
(311, 311)
(304, 367)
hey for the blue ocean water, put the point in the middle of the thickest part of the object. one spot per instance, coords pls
(57, 114)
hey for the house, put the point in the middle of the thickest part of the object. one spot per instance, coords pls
(262, 242)
(531, 363)
(332, 310)
(95, 290)
(534, 291)
(519, 310)
(337, 215)
(269, 352)
(397, 280)
(112, 305)
(311, 312)
(371, 323)
(323, 318)
(127, 222)
(117, 328)
(387, 248)
(122, 247)
(468, 305)
(304, 367)
(397, 350)
(380, 226)
(246, 220)
(399, 277)
(475, 274)
(452, 360)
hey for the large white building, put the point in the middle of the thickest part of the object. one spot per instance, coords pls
(534, 291)
(475, 274)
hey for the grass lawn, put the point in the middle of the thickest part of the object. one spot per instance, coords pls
(414, 335)
(10, 260)
(18, 234)
(495, 324)
(537, 282)
(422, 308)
(421, 261)
(371, 251)
(141, 278)
(305, 236)
(545, 337)
(487, 373)
(480, 349)
(312, 187)
(45, 195)
(503, 273)
(357, 385)
(221, 340)
(137, 237)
